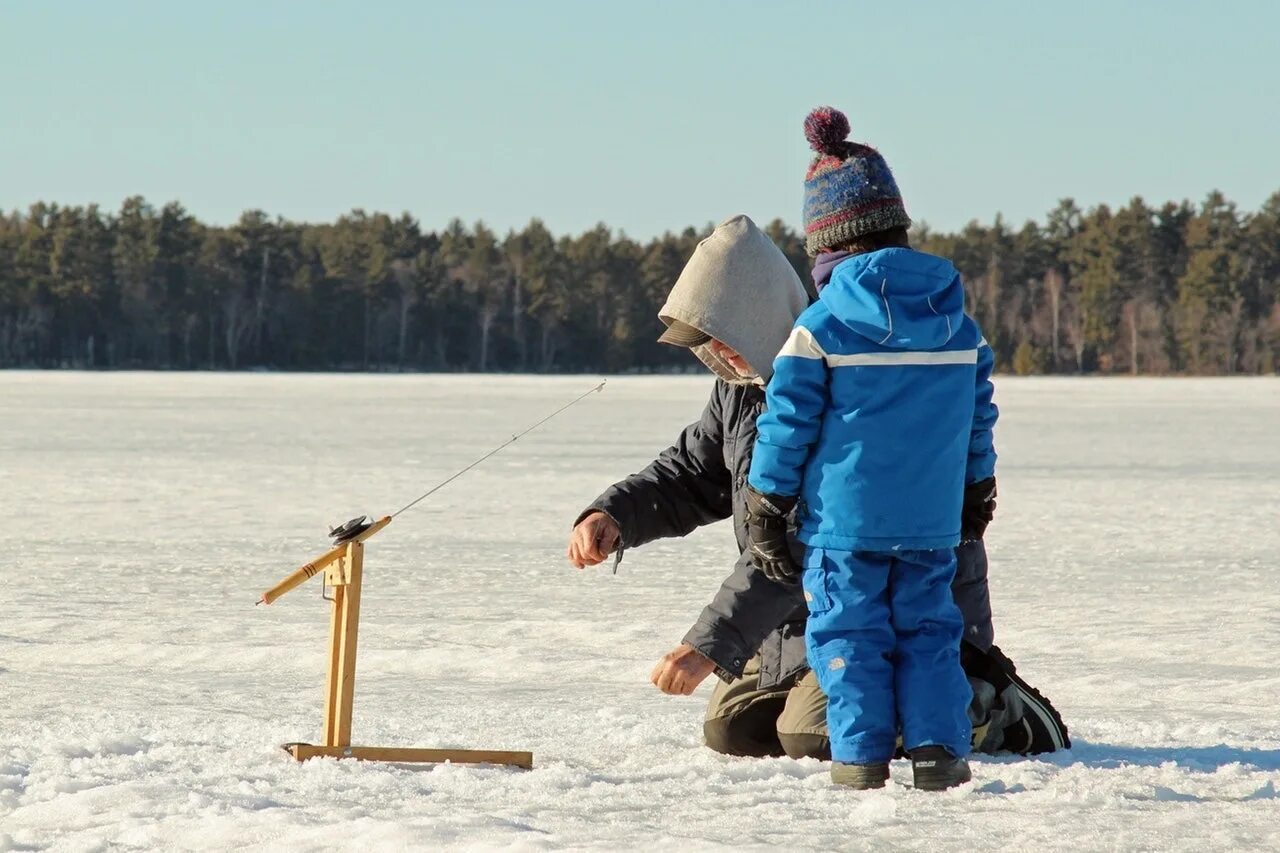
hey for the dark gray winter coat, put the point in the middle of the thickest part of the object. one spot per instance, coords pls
(701, 479)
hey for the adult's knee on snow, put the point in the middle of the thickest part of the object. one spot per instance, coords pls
(718, 736)
(733, 736)
(797, 745)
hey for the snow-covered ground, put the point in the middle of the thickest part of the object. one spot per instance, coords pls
(143, 697)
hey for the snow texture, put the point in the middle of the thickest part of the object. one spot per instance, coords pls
(143, 697)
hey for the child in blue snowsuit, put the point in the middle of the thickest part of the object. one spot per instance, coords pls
(879, 417)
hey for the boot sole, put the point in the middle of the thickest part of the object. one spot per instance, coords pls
(1049, 719)
(1037, 705)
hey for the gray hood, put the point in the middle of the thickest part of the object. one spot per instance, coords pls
(741, 290)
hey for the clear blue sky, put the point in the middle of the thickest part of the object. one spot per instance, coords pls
(645, 115)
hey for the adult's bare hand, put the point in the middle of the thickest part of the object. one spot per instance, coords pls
(681, 670)
(593, 540)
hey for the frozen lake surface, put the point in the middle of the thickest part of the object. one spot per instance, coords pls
(143, 698)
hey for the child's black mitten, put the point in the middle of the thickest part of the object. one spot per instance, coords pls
(767, 535)
(979, 509)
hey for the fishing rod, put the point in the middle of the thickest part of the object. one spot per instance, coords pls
(356, 526)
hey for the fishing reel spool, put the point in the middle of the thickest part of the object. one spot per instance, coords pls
(350, 530)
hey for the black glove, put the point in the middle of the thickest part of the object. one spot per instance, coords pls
(767, 535)
(979, 509)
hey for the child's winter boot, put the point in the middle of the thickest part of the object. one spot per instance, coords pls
(861, 777)
(936, 769)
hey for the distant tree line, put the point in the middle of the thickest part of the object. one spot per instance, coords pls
(1174, 289)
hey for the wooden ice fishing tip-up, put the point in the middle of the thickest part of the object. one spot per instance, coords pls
(342, 567)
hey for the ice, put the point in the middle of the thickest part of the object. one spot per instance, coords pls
(143, 696)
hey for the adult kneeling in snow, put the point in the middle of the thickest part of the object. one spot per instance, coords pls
(733, 306)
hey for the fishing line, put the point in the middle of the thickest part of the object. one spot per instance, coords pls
(353, 528)
(505, 444)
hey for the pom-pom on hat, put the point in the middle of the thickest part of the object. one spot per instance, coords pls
(848, 190)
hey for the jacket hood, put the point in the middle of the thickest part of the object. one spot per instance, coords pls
(825, 264)
(897, 298)
(741, 290)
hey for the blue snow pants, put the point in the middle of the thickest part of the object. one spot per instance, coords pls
(883, 639)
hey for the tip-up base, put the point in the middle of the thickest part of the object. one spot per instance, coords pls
(303, 751)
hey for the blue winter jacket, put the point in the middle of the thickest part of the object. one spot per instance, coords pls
(879, 409)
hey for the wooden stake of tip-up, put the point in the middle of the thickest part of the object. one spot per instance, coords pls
(343, 566)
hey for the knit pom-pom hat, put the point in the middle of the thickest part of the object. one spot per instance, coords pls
(848, 190)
